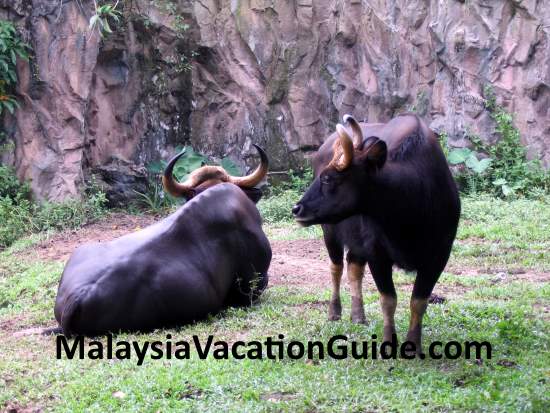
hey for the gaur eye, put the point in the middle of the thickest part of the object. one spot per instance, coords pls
(325, 179)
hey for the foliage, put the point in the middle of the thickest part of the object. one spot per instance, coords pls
(10, 186)
(101, 16)
(11, 47)
(474, 169)
(71, 214)
(15, 216)
(444, 142)
(298, 180)
(276, 206)
(186, 164)
(500, 168)
(170, 8)
(20, 216)
(155, 199)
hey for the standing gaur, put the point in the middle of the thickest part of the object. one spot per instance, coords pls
(388, 199)
(210, 254)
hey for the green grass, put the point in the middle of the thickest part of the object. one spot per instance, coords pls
(481, 305)
(493, 234)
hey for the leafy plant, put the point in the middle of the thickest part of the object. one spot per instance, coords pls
(469, 159)
(276, 206)
(11, 47)
(444, 142)
(504, 170)
(155, 199)
(190, 161)
(101, 16)
(14, 215)
(297, 181)
(19, 216)
(10, 187)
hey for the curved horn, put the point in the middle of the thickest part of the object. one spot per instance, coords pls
(255, 177)
(343, 150)
(357, 132)
(169, 183)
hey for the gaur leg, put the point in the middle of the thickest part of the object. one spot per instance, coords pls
(336, 254)
(381, 269)
(423, 286)
(335, 305)
(356, 271)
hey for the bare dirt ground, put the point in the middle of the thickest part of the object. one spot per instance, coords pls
(302, 262)
(59, 247)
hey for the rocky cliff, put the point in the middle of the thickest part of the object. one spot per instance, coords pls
(277, 73)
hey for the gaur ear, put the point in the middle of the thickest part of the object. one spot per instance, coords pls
(253, 193)
(374, 152)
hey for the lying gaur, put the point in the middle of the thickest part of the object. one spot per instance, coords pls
(388, 199)
(210, 254)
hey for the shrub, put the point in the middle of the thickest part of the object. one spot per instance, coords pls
(11, 47)
(19, 216)
(10, 186)
(277, 208)
(500, 169)
(277, 204)
(69, 214)
(15, 219)
(102, 14)
(155, 199)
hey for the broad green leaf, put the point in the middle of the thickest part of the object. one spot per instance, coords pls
(506, 190)
(482, 165)
(457, 156)
(472, 161)
(499, 182)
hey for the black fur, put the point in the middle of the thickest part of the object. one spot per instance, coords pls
(208, 255)
(401, 210)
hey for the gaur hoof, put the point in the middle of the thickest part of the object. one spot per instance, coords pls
(414, 337)
(357, 311)
(358, 318)
(417, 353)
(334, 311)
(389, 334)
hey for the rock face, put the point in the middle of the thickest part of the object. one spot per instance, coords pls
(277, 73)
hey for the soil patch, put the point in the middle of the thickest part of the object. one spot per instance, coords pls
(302, 262)
(59, 247)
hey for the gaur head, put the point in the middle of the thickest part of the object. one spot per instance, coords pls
(340, 188)
(207, 176)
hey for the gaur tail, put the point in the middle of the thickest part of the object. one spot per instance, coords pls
(51, 330)
(70, 312)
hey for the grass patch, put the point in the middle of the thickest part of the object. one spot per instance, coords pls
(493, 234)
(514, 380)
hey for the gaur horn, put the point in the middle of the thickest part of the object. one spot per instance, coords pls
(255, 177)
(343, 150)
(357, 132)
(169, 183)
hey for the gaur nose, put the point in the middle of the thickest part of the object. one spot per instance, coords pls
(297, 209)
